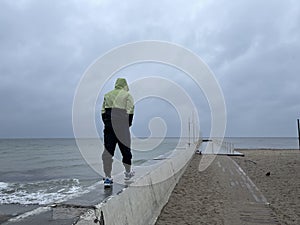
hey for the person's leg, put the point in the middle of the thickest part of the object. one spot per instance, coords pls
(124, 145)
(110, 142)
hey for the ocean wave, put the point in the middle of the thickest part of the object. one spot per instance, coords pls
(40, 193)
(3, 186)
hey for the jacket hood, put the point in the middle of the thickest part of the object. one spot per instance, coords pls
(121, 83)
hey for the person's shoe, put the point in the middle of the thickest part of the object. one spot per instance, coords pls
(128, 175)
(108, 182)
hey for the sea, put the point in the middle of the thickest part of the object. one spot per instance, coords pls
(44, 171)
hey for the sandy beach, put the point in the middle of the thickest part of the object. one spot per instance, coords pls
(192, 202)
(223, 194)
(282, 187)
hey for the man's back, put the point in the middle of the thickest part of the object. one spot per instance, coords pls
(118, 103)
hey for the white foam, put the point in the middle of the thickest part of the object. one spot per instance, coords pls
(41, 193)
(49, 198)
(3, 186)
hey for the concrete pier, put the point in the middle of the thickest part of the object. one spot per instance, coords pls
(141, 202)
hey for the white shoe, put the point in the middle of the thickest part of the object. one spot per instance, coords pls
(129, 175)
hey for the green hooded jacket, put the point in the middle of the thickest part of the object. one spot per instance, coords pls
(120, 99)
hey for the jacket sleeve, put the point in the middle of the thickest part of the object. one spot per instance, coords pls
(103, 110)
(130, 105)
(130, 108)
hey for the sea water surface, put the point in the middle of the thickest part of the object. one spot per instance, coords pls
(43, 171)
(264, 142)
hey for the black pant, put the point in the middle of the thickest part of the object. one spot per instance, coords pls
(113, 135)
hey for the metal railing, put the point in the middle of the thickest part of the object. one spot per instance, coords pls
(225, 147)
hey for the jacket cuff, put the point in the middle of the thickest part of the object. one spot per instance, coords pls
(130, 119)
(103, 117)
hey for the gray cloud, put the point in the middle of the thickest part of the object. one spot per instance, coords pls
(251, 46)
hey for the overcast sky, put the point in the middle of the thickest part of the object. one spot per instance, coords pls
(252, 47)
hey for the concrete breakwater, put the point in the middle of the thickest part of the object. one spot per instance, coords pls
(142, 201)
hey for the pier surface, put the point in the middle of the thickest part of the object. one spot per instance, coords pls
(221, 194)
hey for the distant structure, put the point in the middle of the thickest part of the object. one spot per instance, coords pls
(298, 132)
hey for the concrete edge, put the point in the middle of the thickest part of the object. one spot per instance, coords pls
(143, 202)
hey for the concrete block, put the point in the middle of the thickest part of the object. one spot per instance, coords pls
(142, 202)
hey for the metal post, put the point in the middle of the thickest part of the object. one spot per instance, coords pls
(298, 132)
(193, 128)
(189, 132)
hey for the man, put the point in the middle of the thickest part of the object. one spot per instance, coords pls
(117, 115)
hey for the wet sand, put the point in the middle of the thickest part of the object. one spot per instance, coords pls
(224, 195)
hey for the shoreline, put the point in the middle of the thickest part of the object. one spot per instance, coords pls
(207, 198)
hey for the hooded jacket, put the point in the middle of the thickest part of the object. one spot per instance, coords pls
(118, 104)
